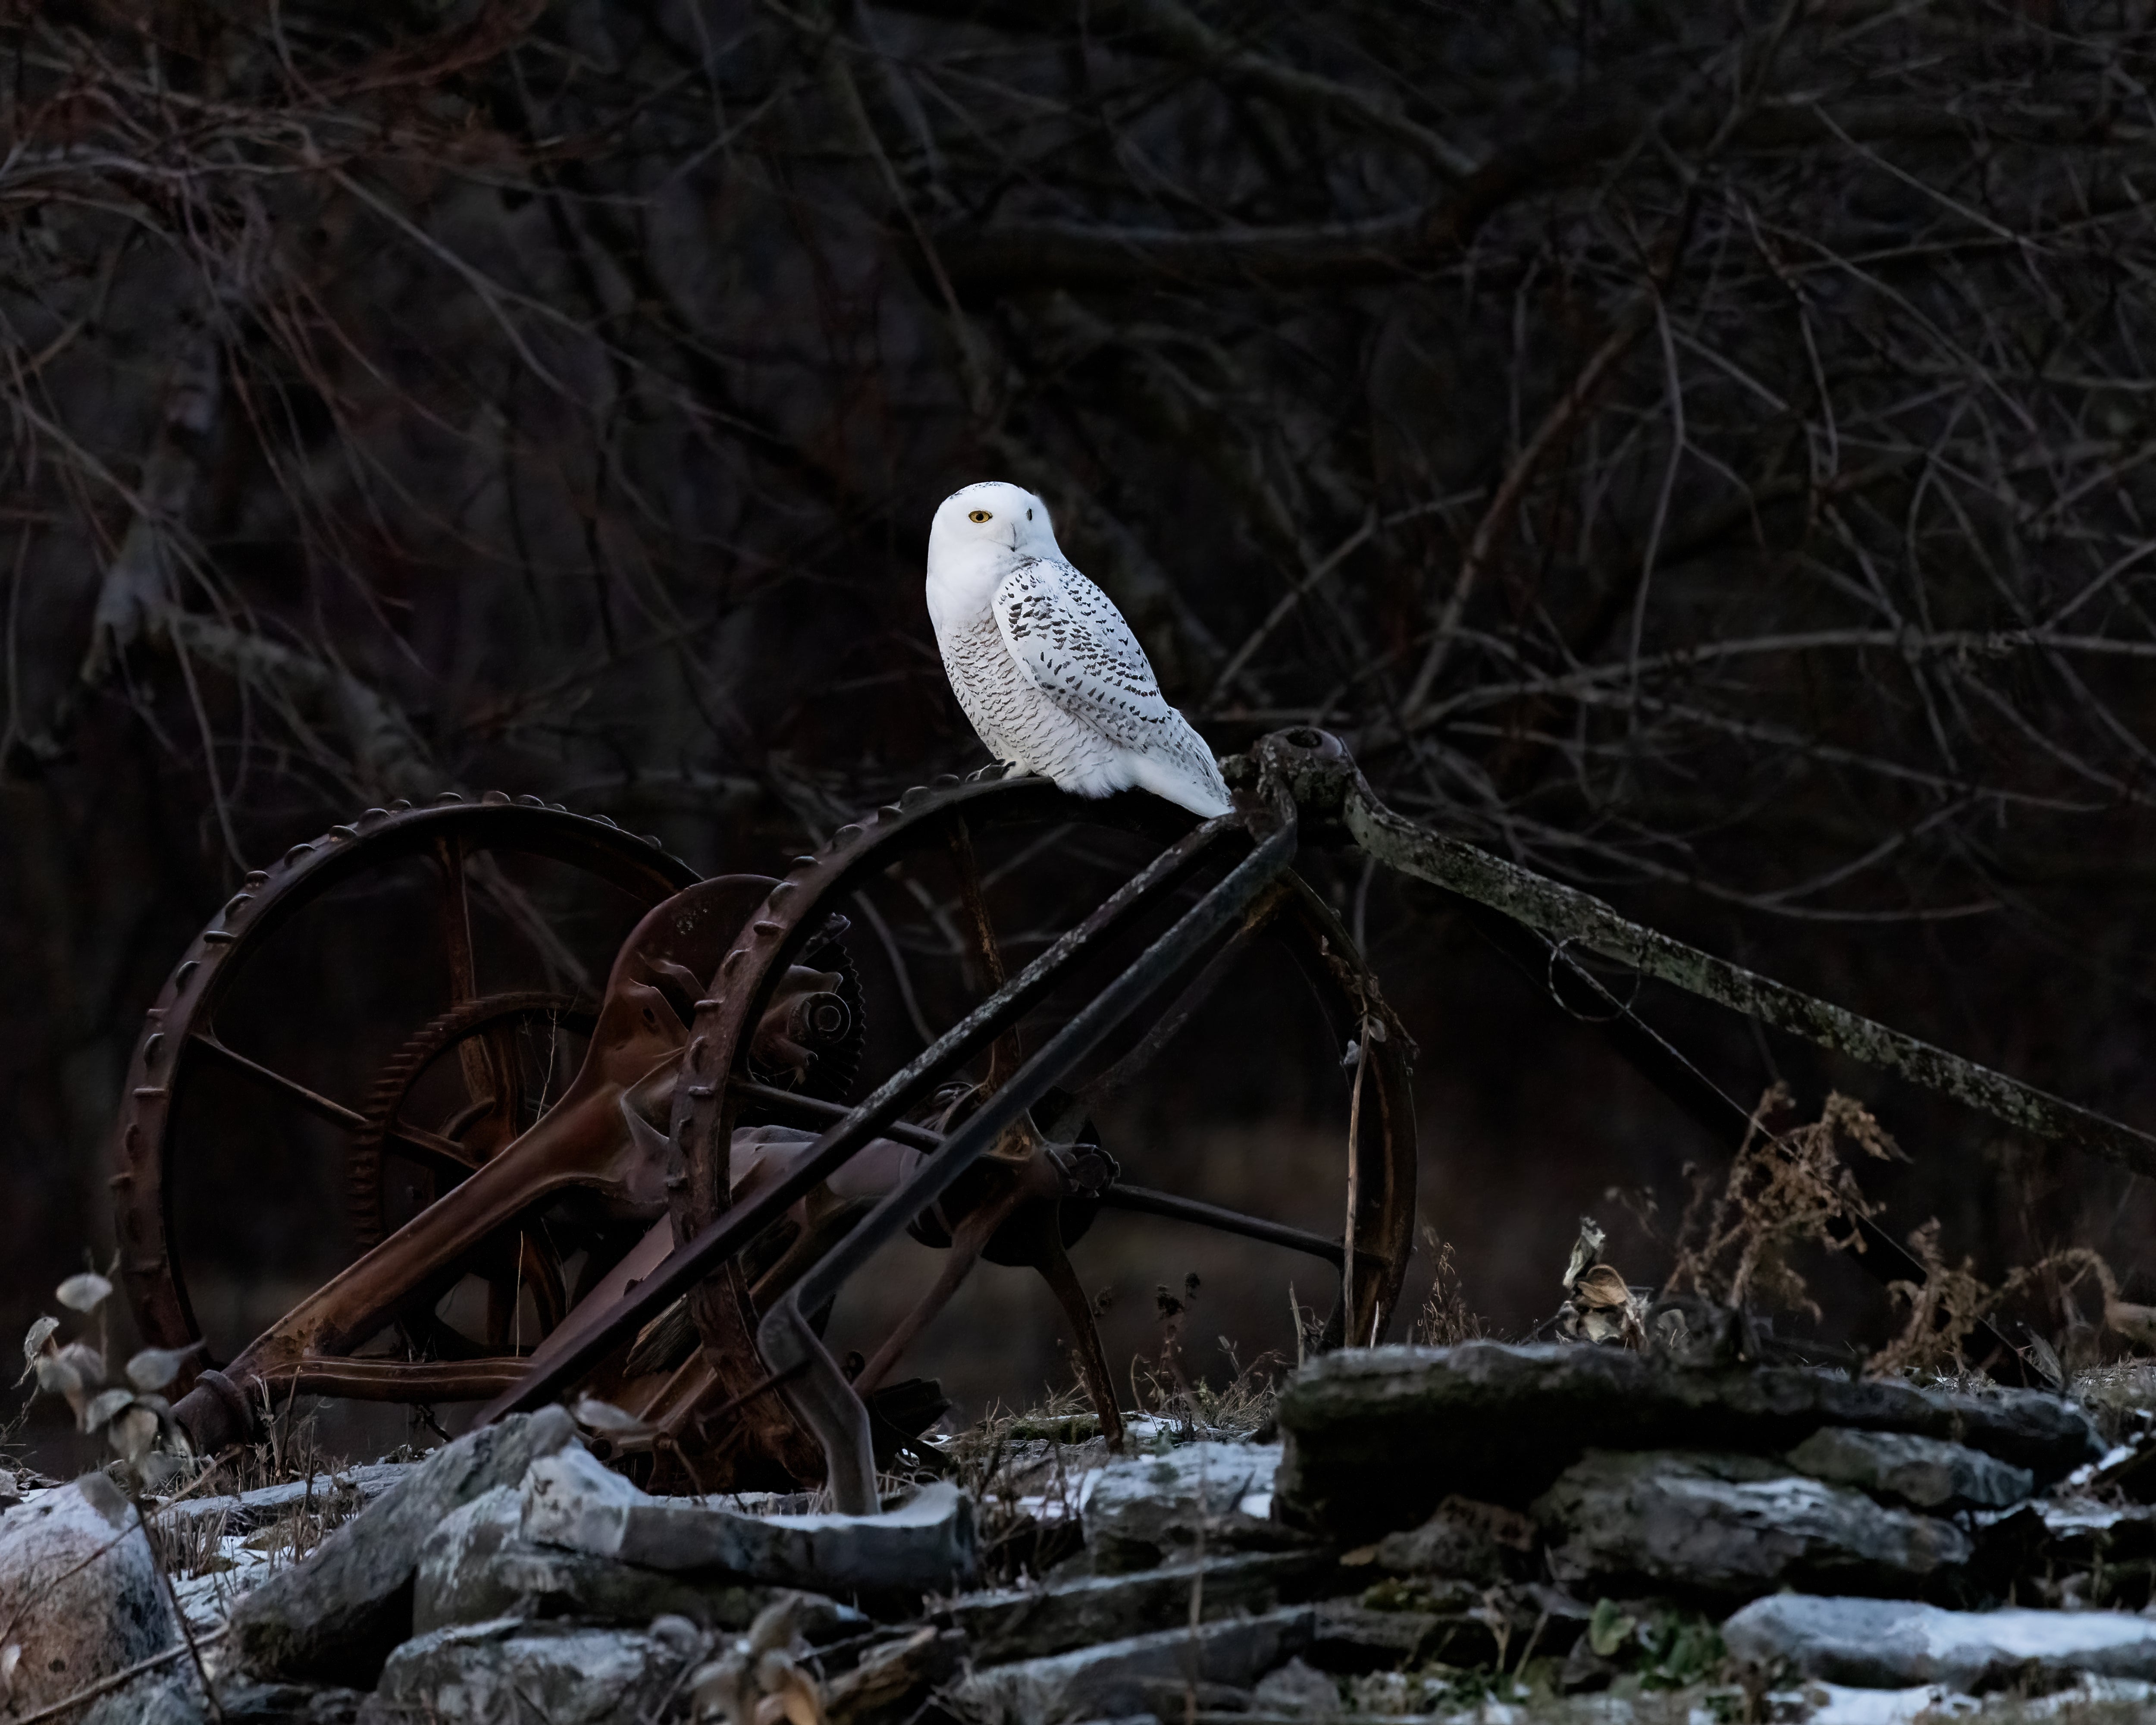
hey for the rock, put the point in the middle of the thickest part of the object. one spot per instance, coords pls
(80, 1591)
(1925, 1473)
(1119, 1678)
(489, 1673)
(1035, 1622)
(477, 1566)
(244, 1511)
(569, 1500)
(334, 1616)
(1140, 1507)
(2074, 1552)
(170, 1694)
(1375, 1437)
(1298, 1689)
(250, 1703)
(1347, 1635)
(1692, 1523)
(1477, 1542)
(1896, 1643)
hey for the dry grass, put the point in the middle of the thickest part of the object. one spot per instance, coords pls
(1783, 1189)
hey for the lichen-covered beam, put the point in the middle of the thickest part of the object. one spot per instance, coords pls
(1565, 914)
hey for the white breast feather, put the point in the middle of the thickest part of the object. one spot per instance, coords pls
(1070, 643)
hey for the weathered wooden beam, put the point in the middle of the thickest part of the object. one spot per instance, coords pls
(1568, 917)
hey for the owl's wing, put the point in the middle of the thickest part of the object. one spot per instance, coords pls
(1073, 646)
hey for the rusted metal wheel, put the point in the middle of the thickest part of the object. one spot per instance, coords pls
(972, 860)
(441, 894)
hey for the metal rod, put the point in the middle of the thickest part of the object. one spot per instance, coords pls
(1145, 1201)
(590, 1334)
(823, 1399)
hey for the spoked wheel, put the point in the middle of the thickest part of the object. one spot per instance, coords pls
(962, 885)
(478, 1078)
(297, 1054)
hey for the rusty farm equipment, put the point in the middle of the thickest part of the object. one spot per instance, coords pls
(677, 1170)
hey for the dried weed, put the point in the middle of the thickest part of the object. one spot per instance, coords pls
(1783, 1189)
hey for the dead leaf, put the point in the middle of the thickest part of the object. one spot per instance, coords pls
(105, 1406)
(1585, 1250)
(596, 1416)
(85, 1292)
(57, 1375)
(107, 1499)
(133, 1433)
(1600, 1287)
(41, 1332)
(154, 1367)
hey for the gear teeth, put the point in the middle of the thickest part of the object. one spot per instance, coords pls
(846, 835)
(296, 853)
(890, 811)
(494, 798)
(344, 832)
(448, 797)
(401, 806)
(914, 796)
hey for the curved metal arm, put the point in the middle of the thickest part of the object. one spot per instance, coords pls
(817, 1391)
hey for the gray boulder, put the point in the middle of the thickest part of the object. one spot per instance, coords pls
(1895, 1644)
(1925, 1473)
(80, 1591)
(1477, 1542)
(334, 1616)
(1375, 1437)
(569, 1500)
(1121, 1678)
(493, 1673)
(1142, 1507)
(1689, 1523)
(477, 1566)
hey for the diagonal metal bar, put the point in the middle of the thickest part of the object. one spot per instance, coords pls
(1139, 1200)
(821, 1396)
(593, 1330)
(1568, 917)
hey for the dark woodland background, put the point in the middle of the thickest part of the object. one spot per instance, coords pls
(1702, 452)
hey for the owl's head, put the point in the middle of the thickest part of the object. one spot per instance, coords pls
(977, 534)
(994, 513)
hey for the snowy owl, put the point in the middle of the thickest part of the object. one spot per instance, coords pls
(1044, 664)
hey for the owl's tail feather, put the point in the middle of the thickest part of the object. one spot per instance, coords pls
(1203, 794)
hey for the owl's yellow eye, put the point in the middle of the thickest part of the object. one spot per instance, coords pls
(977, 515)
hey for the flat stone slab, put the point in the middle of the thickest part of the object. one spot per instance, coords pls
(335, 1615)
(477, 1567)
(1118, 1679)
(1139, 1508)
(1895, 1644)
(79, 1592)
(1925, 1473)
(246, 1511)
(570, 1500)
(1691, 1522)
(1034, 1623)
(488, 1673)
(1375, 1437)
